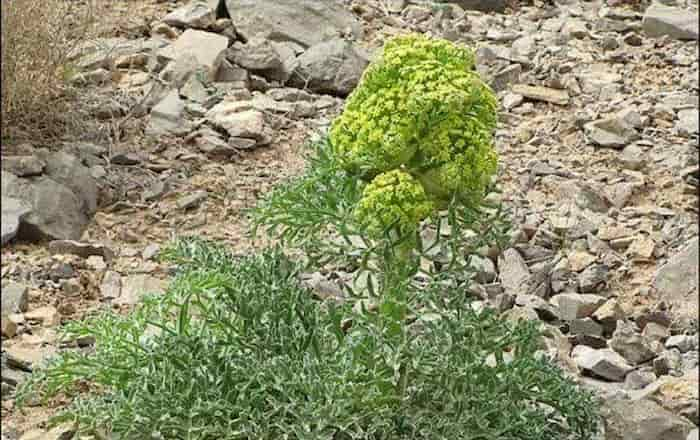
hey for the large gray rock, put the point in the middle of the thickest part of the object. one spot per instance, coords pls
(677, 281)
(306, 22)
(13, 212)
(660, 20)
(334, 67)
(69, 171)
(57, 213)
(603, 363)
(642, 420)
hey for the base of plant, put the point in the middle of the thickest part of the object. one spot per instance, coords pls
(238, 349)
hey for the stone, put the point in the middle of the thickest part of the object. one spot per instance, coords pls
(150, 251)
(205, 47)
(505, 77)
(134, 287)
(514, 273)
(688, 122)
(248, 124)
(630, 344)
(603, 363)
(192, 200)
(228, 72)
(660, 20)
(584, 195)
(586, 327)
(65, 431)
(484, 269)
(656, 332)
(593, 278)
(15, 298)
(668, 362)
(155, 191)
(46, 315)
(642, 420)
(177, 72)
(306, 22)
(579, 260)
(481, 5)
(694, 435)
(576, 306)
(197, 14)
(632, 157)
(27, 357)
(194, 90)
(610, 132)
(679, 395)
(677, 281)
(642, 249)
(111, 285)
(331, 67)
(83, 250)
(166, 116)
(13, 213)
(544, 310)
(125, 159)
(261, 57)
(545, 94)
(631, 117)
(56, 212)
(23, 166)
(684, 343)
(639, 379)
(71, 286)
(576, 28)
(68, 170)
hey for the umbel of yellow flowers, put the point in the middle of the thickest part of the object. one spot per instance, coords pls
(419, 127)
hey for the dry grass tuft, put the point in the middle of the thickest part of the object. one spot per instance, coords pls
(37, 38)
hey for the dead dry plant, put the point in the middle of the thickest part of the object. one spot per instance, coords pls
(37, 39)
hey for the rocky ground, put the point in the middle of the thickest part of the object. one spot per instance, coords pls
(198, 108)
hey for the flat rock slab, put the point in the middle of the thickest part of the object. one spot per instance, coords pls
(603, 363)
(660, 20)
(642, 420)
(13, 212)
(545, 94)
(306, 22)
(204, 46)
(611, 132)
(676, 282)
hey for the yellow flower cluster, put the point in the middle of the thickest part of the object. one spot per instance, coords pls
(422, 108)
(393, 199)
